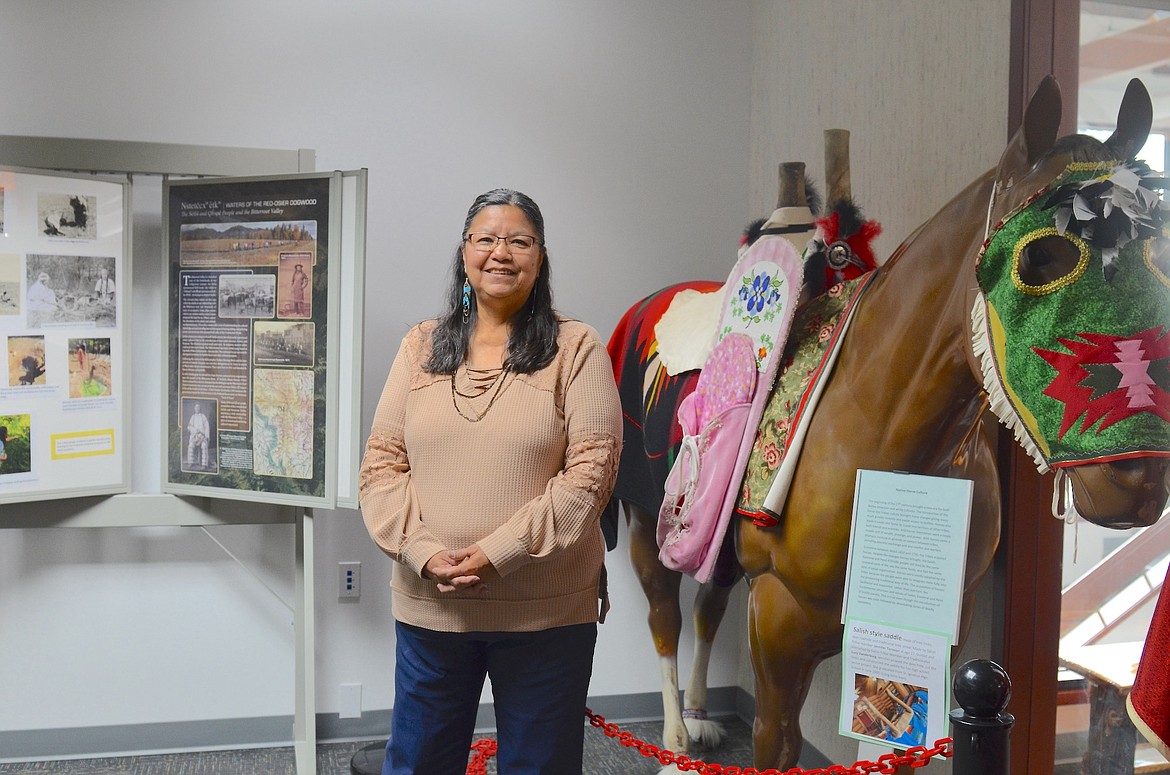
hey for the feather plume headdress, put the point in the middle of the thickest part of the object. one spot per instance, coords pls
(1111, 211)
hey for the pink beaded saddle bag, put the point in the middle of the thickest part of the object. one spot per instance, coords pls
(719, 418)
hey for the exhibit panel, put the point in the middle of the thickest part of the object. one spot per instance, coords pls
(254, 350)
(64, 396)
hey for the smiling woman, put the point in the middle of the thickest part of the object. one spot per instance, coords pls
(499, 568)
(501, 260)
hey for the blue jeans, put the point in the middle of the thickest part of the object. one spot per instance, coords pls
(539, 685)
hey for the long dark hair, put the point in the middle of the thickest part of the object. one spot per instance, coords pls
(532, 343)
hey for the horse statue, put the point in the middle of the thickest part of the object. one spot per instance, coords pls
(651, 393)
(1039, 295)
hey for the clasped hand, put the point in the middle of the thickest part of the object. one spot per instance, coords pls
(460, 570)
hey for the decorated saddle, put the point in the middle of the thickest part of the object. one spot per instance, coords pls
(719, 418)
(815, 341)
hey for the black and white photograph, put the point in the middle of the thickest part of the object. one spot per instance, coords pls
(70, 290)
(9, 284)
(200, 421)
(69, 216)
(277, 343)
(247, 296)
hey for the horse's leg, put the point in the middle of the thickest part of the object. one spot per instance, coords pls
(785, 651)
(661, 587)
(710, 605)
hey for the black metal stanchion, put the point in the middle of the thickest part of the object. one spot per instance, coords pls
(980, 727)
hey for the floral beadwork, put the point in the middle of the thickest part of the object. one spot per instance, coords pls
(758, 298)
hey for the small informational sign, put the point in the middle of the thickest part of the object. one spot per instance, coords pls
(903, 600)
(64, 275)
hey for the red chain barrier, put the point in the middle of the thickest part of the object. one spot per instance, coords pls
(918, 756)
(485, 748)
(887, 764)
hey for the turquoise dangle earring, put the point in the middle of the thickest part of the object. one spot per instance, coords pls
(466, 300)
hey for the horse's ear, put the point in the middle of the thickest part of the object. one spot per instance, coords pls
(1036, 135)
(1134, 119)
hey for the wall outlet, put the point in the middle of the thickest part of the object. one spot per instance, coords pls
(351, 701)
(349, 579)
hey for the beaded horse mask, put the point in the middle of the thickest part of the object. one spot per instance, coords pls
(1071, 322)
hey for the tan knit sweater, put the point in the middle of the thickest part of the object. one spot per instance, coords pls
(527, 483)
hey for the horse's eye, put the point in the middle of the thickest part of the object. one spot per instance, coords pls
(1159, 259)
(1046, 261)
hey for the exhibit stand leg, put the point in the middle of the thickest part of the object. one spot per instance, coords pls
(158, 510)
(304, 720)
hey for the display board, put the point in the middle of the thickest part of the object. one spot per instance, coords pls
(255, 279)
(64, 396)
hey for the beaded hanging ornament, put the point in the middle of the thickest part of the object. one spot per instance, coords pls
(466, 300)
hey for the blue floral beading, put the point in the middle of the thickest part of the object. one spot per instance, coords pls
(761, 292)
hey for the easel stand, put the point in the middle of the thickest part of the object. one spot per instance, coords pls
(156, 510)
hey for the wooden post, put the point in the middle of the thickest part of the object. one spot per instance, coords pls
(792, 193)
(838, 186)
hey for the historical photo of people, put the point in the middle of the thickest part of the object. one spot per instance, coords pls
(277, 343)
(15, 444)
(200, 450)
(294, 288)
(26, 361)
(70, 290)
(247, 295)
(72, 216)
(258, 243)
(9, 285)
(90, 373)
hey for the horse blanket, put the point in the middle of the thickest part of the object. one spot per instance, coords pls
(651, 433)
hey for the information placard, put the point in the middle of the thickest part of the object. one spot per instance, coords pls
(64, 395)
(903, 599)
(251, 388)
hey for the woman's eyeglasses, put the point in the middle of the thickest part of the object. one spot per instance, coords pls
(516, 243)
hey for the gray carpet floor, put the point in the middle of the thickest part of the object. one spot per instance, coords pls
(603, 756)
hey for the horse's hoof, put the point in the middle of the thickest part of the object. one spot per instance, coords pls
(705, 734)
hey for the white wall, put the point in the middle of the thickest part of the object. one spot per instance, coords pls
(627, 122)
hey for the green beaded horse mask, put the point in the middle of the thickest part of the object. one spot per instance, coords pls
(1071, 324)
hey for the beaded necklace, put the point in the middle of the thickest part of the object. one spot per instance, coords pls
(482, 381)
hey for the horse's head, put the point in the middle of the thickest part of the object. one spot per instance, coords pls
(1071, 320)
